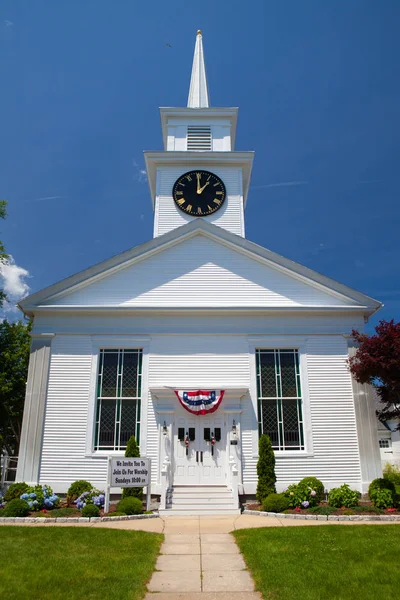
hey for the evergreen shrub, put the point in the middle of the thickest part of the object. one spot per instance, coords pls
(90, 510)
(265, 469)
(16, 508)
(76, 489)
(343, 496)
(130, 506)
(15, 490)
(276, 503)
(132, 451)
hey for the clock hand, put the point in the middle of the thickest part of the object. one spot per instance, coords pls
(198, 175)
(202, 188)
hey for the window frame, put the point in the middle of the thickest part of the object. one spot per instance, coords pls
(104, 342)
(268, 342)
(118, 398)
(278, 399)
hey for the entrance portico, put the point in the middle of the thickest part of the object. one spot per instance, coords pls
(198, 450)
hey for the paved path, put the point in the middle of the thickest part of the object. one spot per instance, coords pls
(203, 564)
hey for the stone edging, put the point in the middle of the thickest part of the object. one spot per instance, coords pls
(324, 517)
(74, 519)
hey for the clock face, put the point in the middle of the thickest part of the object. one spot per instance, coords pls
(199, 193)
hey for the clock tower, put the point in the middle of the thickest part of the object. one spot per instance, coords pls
(199, 175)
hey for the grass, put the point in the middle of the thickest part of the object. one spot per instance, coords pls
(56, 563)
(339, 562)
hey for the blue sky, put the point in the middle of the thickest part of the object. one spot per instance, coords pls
(318, 88)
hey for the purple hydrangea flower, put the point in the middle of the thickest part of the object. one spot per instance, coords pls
(305, 504)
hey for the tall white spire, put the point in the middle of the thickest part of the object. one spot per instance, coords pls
(198, 91)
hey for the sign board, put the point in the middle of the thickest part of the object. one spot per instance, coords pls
(126, 472)
(130, 472)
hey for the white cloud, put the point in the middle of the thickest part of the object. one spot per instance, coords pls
(139, 174)
(13, 283)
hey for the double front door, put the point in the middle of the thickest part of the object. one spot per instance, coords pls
(199, 450)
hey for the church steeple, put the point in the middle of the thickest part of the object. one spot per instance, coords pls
(198, 91)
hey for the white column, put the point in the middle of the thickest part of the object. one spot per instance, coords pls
(34, 410)
(367, 429)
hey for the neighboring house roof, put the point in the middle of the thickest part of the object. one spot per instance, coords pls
(352, 299)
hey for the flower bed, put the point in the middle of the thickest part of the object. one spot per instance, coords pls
(365, 508)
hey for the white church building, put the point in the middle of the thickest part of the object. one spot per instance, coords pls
(196, 342)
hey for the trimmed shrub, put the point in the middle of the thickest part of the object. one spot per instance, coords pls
(265, 469)
(392, 473)
(90, 510)
(276, 503)
(316, 485)
(130, 506)
(15, 490)
(132, 451)
(76, 489)
(16, 508)
(343, 496)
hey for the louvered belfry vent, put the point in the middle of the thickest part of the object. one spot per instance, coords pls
(199, 138)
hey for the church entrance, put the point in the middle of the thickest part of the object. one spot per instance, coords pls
(200, 456)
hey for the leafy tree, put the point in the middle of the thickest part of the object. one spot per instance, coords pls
(132, 451)
(3, 254)
(14, 359)
(265, 469)
(377, 362)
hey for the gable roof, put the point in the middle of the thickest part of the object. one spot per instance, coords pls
(198, 227)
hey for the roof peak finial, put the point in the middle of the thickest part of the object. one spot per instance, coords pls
(198, 91)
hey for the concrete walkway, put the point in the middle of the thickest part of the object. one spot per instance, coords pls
(203, 564)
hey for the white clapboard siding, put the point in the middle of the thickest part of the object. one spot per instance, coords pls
(199, 272)
(201, 361)
(66, 420)
(335, 458)
(168, 216)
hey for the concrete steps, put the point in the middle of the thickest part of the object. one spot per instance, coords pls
(200, 500)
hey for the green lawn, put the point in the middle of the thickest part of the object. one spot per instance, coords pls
(340, 562)
(58, 563)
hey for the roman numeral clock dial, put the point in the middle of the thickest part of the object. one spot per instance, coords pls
(199, 193)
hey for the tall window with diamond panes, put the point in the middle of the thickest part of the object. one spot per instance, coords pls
(118, 398)
(280, 411)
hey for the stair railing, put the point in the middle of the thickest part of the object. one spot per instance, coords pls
(165, 482)
(234, 473)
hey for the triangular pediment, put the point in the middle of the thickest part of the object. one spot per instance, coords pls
(198, 266)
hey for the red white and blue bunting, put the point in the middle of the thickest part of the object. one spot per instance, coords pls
(200, 402)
